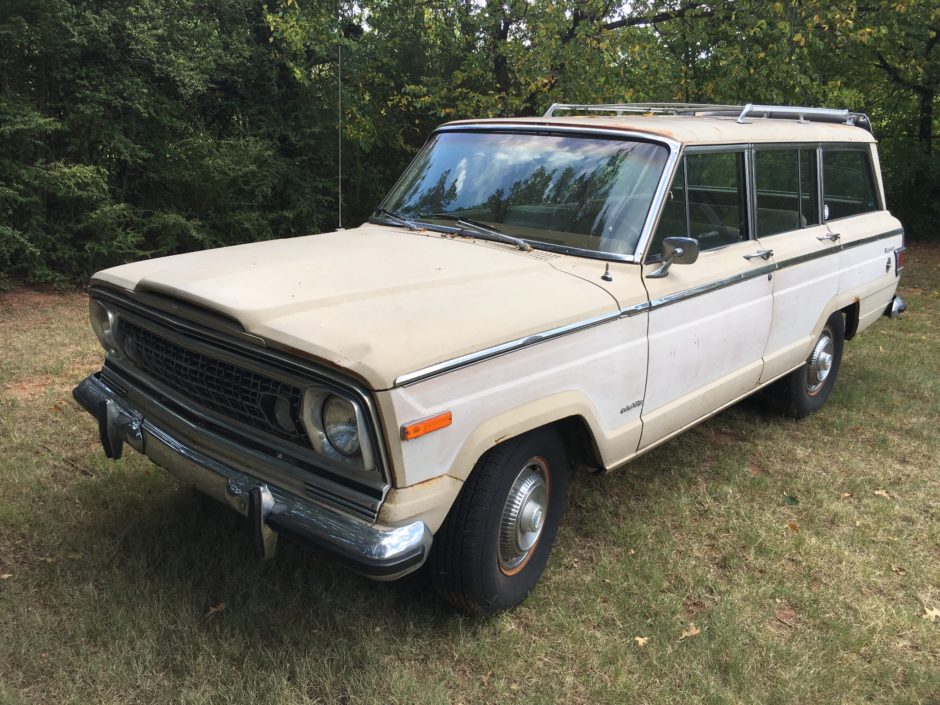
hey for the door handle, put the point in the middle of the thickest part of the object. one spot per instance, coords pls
(762, 254)
(834, 237)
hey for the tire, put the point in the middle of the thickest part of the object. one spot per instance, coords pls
(487, 556)
(804, 391)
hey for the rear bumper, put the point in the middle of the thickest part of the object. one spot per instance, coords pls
(381, 553)
(896, 307)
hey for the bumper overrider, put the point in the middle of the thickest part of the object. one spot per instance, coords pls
(381, 553)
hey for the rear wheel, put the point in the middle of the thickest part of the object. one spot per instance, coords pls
(495, 542)
(805, 390)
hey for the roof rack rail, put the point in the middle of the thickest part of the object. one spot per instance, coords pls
(740, 112)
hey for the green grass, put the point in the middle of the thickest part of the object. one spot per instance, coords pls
(773, 537)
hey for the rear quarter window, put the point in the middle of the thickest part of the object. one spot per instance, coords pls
(848, 183)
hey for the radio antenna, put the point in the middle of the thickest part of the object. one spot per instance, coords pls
(339, 129)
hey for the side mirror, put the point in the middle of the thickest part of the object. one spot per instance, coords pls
(676, 250)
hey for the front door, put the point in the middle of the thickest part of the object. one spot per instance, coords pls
(709, 321)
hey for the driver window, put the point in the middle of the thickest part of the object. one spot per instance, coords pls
(717, 197)
(707, 201)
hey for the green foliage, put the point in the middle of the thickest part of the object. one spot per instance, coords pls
(148, 129)
(159, 126)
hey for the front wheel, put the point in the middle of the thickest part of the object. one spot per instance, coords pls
(496, 539)
(805, 390)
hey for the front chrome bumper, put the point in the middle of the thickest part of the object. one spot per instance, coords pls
(381, 553)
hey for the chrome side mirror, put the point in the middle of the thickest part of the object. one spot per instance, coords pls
(676, 250)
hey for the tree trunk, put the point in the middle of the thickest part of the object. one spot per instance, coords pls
(925, 124)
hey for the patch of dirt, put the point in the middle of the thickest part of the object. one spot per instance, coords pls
(785, 619)
(29, 299)
(31, 388)
(25, 309)
(720, 436)
(694, 606)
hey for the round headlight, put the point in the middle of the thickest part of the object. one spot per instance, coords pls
(341, 426)
(103, 322)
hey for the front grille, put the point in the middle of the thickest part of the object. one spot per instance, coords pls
(254, 399)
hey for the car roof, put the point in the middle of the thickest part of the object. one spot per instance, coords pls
(696, 129)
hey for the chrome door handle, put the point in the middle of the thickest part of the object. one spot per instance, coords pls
(763, 254)
(831, 236)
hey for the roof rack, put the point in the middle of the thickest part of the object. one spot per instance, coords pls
(740, 112)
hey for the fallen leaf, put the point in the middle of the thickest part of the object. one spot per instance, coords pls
(933, 614)
(898, 569)
(216, 609)
(883, 493)
(641, 640)
(6, 576)
(690, 632)
(631, 552)
(846, 495)
(793, 526)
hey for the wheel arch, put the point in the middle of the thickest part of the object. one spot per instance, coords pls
(570, 413)
(851, 319)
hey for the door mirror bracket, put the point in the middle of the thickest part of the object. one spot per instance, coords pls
(676, 250)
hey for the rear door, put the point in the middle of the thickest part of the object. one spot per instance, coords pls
(788, 220)
(708, 321)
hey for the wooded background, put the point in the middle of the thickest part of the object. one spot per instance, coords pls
(136, 129)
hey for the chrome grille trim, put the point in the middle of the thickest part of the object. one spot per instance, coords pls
(221, 386)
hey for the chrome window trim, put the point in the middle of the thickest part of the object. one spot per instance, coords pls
(264, 360)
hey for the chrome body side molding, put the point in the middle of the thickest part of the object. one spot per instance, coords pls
(711, 286)
(514, 345)
(502, 349)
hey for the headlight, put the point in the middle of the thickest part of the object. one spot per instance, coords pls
(104, 323)
(338, 428)
(341, 425)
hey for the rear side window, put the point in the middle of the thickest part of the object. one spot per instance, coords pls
(786, 190)
(848, 186)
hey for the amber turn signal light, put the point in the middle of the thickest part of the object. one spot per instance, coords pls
(420, 428)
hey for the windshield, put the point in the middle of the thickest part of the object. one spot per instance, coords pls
(590, 193)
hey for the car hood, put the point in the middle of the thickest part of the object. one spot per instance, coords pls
(378, 301)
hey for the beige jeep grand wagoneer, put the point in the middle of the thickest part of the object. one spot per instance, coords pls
(534, 294)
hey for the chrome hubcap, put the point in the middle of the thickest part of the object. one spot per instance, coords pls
(819, 363)
(523, 516)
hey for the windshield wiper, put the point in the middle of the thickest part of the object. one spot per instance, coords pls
(484, 231)
(395, 218)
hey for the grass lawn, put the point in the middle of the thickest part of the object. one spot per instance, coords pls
(799, 559)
